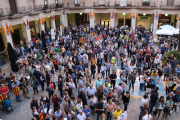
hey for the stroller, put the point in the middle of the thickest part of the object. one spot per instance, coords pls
(7, 106)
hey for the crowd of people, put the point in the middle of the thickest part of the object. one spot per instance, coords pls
(101, 55)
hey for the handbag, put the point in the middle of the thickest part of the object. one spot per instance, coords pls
(102, 72)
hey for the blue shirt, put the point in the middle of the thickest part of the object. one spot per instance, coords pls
(174, 63)
(154, 82)
(79, 67)
(68, 53)
(86, 111)
(126, 69)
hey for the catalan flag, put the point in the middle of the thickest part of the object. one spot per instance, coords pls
(40, 114)
(25, 61)
(101, 35)
(3, 97)
(94, 14)
(130, 14)
(39, 20)
(167, 82)
(137, 15)
(177, 16)
(3, 30)
(62, 24)
(11, 29)
(90, 14)
(15, 90)
(7, 28)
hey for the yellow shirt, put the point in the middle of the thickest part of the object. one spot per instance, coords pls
(84, 29)
(116, 114)
(63, 50)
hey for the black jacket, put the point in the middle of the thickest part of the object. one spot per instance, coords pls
(154, 98)
(34, 104)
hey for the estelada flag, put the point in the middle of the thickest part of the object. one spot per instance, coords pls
(166, 84)
(25, 61)
(3, 30)
(15, 90)
(94, 14)
(11, 29)
(130, 14)
(3, 97)
(7, 28)
(40, 114)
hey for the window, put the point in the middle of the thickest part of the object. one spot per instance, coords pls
(45, 2)
(123, 3)
(76, 1)
(101, 2)
(56, 1)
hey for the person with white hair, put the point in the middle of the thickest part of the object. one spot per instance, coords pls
(81, 115)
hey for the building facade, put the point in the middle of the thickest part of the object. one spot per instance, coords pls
(30, 17)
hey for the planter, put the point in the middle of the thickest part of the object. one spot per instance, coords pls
(2, 61)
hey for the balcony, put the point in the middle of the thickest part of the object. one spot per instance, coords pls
(72, 5)
(29, 10)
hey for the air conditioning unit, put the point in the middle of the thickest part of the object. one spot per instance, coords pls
(101, 2)
(123, 3)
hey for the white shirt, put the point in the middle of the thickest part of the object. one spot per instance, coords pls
(145, 117)
(81, 117)
(141, 80)
(143, 102)
(102, 54)
(103, 68)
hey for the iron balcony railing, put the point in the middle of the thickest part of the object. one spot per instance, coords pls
(1, 12)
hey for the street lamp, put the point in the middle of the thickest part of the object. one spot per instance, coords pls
(80, 13)
(124, 13)
(144, 14)
(166, 14)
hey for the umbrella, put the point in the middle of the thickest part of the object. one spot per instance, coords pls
(12, 58)
(167, 27)
(164, 32)
(175, 31)
(44, 41)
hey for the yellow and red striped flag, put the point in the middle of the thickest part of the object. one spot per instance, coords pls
(3, 97)
(11, 29)
(40, 114)
(177, 16)
(90, 14)
(15, 90)
(130, 14)
(39, 20)
(93, 33)
(7, 28)
(137, 15)
(94, 14)
(3, 30)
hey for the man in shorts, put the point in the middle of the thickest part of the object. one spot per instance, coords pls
(24, 89)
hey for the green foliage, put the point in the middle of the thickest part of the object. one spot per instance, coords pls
(175, 54)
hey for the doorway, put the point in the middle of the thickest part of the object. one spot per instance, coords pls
(121, 22)
(13, 6)
(16, 37)
(128, 22)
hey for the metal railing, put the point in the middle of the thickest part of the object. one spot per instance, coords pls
(80, 5)
(21, 10)
(51, 6)
(38, 7)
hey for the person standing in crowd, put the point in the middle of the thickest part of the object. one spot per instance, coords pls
(143, 102)
(168, 107)
(126, 100)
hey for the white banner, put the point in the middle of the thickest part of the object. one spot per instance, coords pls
(122, 116)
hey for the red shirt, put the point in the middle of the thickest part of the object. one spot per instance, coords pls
(4, 90)
(34, 40)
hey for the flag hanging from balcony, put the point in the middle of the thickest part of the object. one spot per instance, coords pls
(133, 15)
(39, 20)
(137, 15)
(130, 14)
(160, 15)
(94, 14)
(7, 28)
(53, 17)
(115, 14)
(11, 29)
(90, 14)
(177, 16)
(3, 30)
(153, 14)
(109, 13)
(112, 16)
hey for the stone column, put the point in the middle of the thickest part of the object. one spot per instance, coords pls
(92, 22)
(133, 23)
(112, 21)
(155, 25)
(41, 27)
(27, 33)
(64, 19)
(178, 23)
(53, 24)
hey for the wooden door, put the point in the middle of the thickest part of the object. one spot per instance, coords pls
(13, 6)
(1, 44)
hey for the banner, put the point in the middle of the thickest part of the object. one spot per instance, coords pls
(122, 116)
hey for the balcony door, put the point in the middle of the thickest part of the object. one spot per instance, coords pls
(13, 6)
(76, 2)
